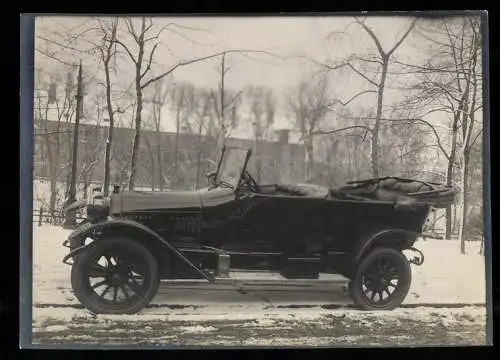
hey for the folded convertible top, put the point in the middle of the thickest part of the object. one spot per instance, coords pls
(402, 190)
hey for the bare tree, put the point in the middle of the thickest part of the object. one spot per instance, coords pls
(184, 103)
(380, 63)
(142, 59)
(472, 104)
(107, 52)
(92, 143)
(140, 38)
(262, 107)
(140, 41)
(310, 102)
(48, 100)
(450, 83)
(225, 103)
(203, 107)
(162, 90)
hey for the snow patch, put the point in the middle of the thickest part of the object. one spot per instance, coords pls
(197, 329)
(55, 328)
(447, 276)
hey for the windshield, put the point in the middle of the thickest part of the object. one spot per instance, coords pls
(232, 166)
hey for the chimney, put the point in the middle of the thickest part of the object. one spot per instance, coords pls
(283, 136)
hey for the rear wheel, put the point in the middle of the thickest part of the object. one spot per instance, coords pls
(382, 280)
(115, 276)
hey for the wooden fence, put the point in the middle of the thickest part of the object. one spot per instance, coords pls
(44, 216)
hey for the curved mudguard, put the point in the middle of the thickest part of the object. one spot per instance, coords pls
(362, 247)
(406, 235)
(88, 228)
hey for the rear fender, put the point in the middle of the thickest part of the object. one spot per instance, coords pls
(394, 238)
(142, 234)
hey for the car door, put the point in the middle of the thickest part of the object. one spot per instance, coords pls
(282, 222)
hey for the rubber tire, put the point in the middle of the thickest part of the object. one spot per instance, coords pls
(78, 278)
(355, 287)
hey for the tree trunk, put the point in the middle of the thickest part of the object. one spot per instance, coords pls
(107, 156)
(176, 145)
(222, 101)
(198, 159)
(258, 161)
(138, 114)
(152, 172)
(137, 137)
(53, 191)
(310, 158)
(449, 174)
(68, 168)
(109, 139)
(52, 171)
(85, 187)
(356, 162)
(455, 219)
(378, 116)
(160, 161)
(463, 196)
(158, 151)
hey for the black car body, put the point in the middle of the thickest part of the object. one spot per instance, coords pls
(300, 231)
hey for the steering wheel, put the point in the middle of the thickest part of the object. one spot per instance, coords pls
(250, 182)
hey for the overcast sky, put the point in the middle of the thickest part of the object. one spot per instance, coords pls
(280, 35)
(317, 37)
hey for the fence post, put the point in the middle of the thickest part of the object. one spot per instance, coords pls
(40, 216)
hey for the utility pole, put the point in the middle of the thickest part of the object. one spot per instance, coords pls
(70, 220)
(222, 135)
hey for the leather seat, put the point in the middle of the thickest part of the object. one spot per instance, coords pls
(306, 190)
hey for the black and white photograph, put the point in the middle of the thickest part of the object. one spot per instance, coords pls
(260, 181)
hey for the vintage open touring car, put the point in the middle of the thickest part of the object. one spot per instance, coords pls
(132, 240)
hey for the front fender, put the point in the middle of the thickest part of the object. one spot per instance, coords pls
(98, 233)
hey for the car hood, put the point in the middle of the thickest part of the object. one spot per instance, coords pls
(132, 201)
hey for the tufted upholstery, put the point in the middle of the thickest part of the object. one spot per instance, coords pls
(306, 190)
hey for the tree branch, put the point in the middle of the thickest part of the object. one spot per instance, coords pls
(373, 36)
(64, 46)
(188, 38)
(374, 61)
(433, 129)
(334, 131)
(418, 148)
(355, 96)
(179, 64)
(362, 75)
(126, 49)
(148, 67)
(131, 30)
(54, 58)
(405, 35)
(473, 142)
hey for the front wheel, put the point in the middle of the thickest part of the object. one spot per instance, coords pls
(382, 280)
(115, 276)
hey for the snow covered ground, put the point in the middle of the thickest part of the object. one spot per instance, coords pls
(270, 312)
(277, 327)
